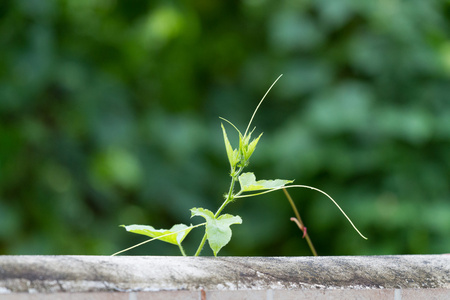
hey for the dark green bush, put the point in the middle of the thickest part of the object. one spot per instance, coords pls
(109, 115)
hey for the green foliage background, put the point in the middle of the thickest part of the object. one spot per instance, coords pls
(109, 115)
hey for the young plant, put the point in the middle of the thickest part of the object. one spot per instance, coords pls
(217, 225)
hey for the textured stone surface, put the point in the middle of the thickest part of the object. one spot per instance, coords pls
(135, 274)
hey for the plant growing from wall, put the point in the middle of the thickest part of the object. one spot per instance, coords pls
(218, 225)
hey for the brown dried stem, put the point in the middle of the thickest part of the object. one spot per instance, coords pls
(299, 222)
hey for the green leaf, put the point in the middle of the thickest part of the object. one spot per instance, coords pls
(165, 235)
(205, 213)
(248, 183)
(218, 230)
(233, 156)
(251, 147)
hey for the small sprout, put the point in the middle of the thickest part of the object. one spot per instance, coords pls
(217, 226)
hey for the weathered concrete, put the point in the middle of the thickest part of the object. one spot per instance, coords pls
(132, 274)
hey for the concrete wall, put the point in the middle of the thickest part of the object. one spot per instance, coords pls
(162, 277)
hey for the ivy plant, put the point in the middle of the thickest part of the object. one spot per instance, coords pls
(217, 225)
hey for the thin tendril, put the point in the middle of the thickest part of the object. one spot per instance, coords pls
(231, 124)
(254, 113)
(312, 188)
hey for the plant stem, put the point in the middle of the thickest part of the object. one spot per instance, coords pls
(230, 192)
(227, 200)
(200, 247)
(297, 215)
(182, 250)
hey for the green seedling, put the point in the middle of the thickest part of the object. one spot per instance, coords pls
(217, 225)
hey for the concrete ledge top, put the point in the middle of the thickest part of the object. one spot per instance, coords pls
(49, 274)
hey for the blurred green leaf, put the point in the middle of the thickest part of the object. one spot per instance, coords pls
(107, 105)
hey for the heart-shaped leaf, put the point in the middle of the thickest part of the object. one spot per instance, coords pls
(218, 230)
